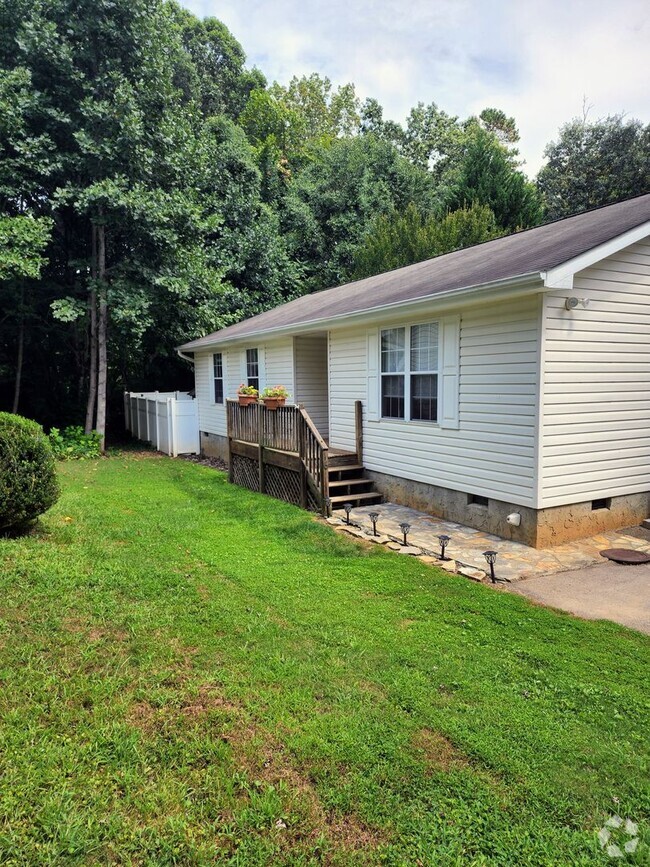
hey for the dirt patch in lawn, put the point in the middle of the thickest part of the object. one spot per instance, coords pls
(266, 762)
(265, 759)
(438, 752)
(92, 632)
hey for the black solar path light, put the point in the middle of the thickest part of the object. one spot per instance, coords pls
(348, 509)
(491, 557)
(444, 541)
(405, 531)
(374, 517)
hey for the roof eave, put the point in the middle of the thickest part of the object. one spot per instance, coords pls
(561, 276)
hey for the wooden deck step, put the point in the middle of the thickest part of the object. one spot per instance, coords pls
(343, 459)
(344, 468)
(366, 499)
(357, 480)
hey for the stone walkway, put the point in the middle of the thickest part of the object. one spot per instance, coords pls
(465, 549)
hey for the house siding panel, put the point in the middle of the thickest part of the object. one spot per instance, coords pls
(595, 437)
(492, 453)
(276, 366)
(311, 379)
(212, 416)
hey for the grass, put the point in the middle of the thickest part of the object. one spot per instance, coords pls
(194, 674)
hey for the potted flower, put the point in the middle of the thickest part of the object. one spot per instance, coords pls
(275, 396)
(247, 394)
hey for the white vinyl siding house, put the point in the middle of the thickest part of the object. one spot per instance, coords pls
(531, 353)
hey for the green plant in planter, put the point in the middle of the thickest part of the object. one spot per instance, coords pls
(28, 483)
(275, 391)
(248, 390)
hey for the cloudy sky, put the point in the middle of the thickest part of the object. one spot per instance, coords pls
(535, 59)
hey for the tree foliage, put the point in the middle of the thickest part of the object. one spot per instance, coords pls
(406, 237)
(593, 164)
(331, 203)
(154, 188)
(488, 175)
(23, 240)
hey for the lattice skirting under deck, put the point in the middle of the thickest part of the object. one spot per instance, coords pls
(279, 482)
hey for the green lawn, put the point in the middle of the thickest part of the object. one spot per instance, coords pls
(194, 674)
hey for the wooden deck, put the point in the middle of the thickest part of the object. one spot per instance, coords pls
(281, 453)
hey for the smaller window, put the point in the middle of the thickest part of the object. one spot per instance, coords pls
(477, 500)
(217, 371)
(602, 503)
(252, 368)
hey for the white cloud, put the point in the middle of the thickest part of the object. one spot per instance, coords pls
(535, 59)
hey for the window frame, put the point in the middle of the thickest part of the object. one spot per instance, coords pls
(218, 379)
(408, 373)
(252, 380)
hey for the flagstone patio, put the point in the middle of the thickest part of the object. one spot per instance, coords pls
(466, 546)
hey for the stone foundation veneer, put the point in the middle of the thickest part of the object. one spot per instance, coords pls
(214, 446)
(539, 528)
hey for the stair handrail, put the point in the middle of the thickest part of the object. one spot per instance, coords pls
(318, 474)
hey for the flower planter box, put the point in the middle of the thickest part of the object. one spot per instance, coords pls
(246, 399)
(274, 402)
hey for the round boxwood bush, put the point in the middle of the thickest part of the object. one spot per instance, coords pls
(28, 484)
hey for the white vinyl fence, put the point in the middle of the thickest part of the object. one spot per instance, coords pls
(169, 420)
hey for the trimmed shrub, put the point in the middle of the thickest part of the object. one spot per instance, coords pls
(28, 483)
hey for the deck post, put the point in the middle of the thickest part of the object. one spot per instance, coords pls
(358, 429)
(231, 475)
(324, 469)
(303, 468)
(260, 447)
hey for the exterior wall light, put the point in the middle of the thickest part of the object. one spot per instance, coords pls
(405, 530)
(444, 541)
(374, 517)
(491, 557)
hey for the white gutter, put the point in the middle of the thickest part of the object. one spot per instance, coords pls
(185, 357)
(528, 284)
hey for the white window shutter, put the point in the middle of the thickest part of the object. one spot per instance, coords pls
(261, 366)
(372, 366)
(242, 366)
(450, 372)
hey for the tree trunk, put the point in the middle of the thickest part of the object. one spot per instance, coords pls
(21, 352)
(102, 328)
(92, 304)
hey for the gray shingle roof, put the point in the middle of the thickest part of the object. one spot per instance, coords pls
(523, 253)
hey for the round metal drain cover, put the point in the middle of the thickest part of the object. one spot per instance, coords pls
(627, 556)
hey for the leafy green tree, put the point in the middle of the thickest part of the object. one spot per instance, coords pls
(214, 70)
(488, 175)
(593, 164)
(23, 240)
(157, 209)
(331, 203)
(316, 111)
(397, 239)
(434, 140)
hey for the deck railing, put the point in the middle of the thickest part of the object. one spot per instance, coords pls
(287, 440)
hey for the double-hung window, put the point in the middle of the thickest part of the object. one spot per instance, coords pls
(217, 371)
(409, 372)
(253, 368)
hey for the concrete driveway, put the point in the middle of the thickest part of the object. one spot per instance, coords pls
(606, 591)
